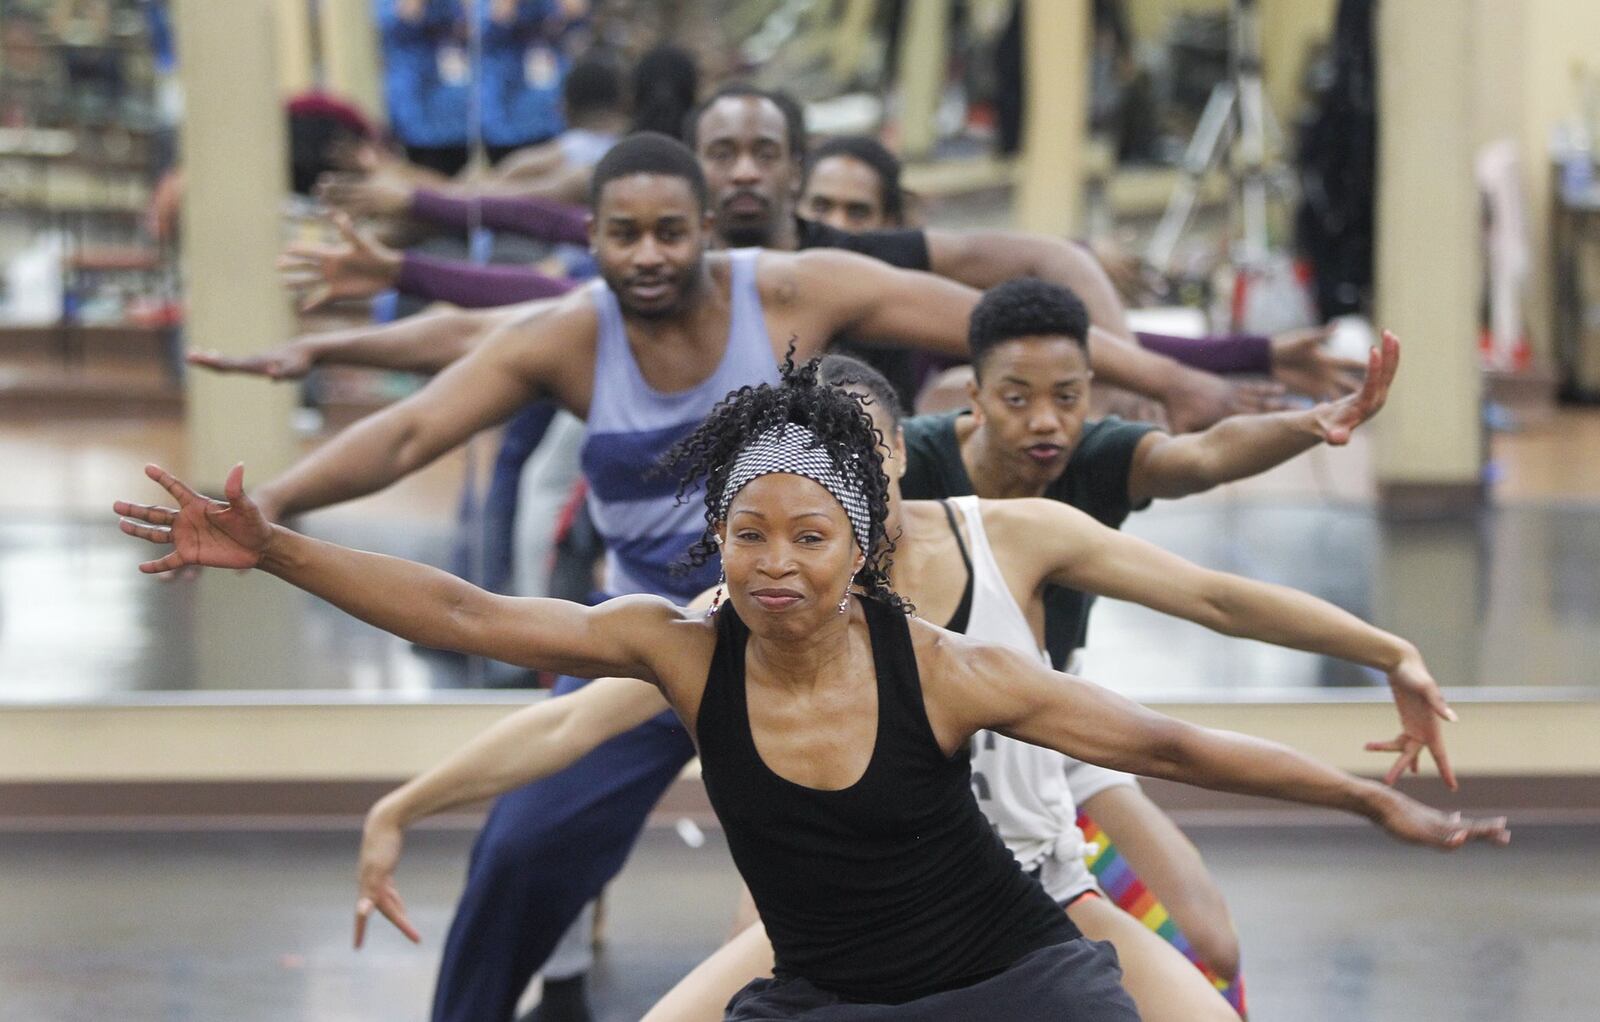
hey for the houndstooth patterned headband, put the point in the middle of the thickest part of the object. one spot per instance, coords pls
(795, 450)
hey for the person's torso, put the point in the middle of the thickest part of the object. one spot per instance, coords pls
(886, 890)
(583, 147)
(630, 424)
(1095, 482)
(906, 249)
(1021, 788)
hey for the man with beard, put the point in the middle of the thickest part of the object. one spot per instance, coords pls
(751, 147)
(642, 356)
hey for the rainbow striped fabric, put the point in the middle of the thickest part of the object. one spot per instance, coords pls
(1124, 887)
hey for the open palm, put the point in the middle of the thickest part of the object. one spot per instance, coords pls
(1336, 420)
(1302, 362)
(201, 531)
(358, 266)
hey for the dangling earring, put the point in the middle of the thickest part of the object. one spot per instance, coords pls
(716, 599)
(844, 601)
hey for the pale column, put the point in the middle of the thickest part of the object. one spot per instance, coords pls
(351, 66)
(1429, 447)
(1055, 115)
(921, 71)
(235, 164)
(296, 71)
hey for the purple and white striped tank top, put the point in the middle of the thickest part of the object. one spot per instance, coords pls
(631, 424)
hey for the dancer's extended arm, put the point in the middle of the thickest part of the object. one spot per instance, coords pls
(424, 343)
(1071, 549)
(414, 601)
(977, 686)
(1194, 399)
(1176, 466)
(534, 742)
(518, 363)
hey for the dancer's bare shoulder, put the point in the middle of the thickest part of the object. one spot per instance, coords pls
(678, 642)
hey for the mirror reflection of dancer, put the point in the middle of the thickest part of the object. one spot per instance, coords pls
(829, 725)
(981, 568)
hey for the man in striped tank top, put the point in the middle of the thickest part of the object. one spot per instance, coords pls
(642, 356)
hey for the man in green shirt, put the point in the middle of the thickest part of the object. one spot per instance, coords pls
(1027, 434)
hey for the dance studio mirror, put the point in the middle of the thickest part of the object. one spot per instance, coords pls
(1502, 598)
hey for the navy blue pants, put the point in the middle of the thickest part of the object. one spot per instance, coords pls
(522, 436)
(545, 851)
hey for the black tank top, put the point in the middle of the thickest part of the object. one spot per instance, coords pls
(886, 891)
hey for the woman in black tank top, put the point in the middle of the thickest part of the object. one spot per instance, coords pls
(830, 726)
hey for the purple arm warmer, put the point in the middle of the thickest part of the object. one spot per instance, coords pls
(1225, 353)
(544, 219)
(473, 286)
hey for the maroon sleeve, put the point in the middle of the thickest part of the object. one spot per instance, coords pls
(473, 286)
(1224, 353)
(544, 219)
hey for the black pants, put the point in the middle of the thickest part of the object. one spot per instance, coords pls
(1079, 981)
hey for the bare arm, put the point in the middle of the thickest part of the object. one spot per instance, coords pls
(534, 742)
(1075, 551)
(505, 372)
(563, 182)
(830, 291)
(628, 636)
(982, 259)
(979, 686)
(1168, 466)
(424, 343)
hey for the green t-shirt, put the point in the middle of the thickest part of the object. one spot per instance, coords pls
(1095, 482)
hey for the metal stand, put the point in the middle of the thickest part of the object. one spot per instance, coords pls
(1236, 126)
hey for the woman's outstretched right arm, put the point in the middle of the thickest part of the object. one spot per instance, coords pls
(534, 742)
(624, 637)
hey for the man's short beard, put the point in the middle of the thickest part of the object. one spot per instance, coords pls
(747, 236)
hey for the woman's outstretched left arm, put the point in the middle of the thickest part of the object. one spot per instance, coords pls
(982, 686)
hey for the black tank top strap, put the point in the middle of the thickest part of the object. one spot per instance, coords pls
(902, 713)
(963, 613)
(721, 704)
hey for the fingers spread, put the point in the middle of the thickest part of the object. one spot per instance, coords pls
(1441, 759)
(1406, 760)
(233, 488)
(168, 563)
(146, 512)
(318, 297)
(171, 483)
(152, 533)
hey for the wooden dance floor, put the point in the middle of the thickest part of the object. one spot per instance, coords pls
(1338, 925)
